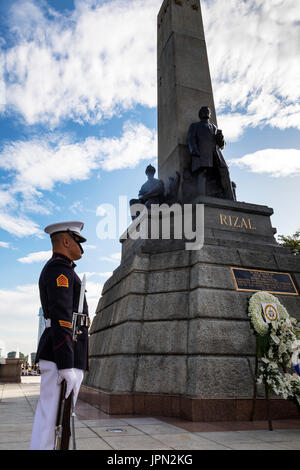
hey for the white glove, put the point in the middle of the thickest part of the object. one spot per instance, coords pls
(70, 377)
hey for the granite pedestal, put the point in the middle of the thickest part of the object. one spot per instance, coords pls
(172, 337)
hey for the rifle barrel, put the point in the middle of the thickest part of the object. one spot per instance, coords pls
(60, 414)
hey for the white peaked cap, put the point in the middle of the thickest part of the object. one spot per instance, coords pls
(74, 227)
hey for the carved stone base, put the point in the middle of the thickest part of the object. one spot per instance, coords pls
(189, 408)
(172, 335)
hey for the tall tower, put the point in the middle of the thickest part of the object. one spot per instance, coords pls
(184, 82)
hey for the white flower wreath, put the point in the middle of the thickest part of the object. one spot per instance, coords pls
(286, 385)
(283, 347)
(255, 311)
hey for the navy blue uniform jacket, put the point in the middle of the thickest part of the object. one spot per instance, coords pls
(59, 292)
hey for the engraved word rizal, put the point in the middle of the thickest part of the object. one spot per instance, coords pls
(237, 222)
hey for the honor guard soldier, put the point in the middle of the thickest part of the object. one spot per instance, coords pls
(60, 357)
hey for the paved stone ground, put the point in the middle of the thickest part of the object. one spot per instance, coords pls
(97, 431)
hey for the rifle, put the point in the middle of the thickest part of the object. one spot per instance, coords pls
(62, 428)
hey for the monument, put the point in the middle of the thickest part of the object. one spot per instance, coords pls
(171, 335)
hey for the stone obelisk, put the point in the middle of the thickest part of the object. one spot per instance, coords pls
(184, 82)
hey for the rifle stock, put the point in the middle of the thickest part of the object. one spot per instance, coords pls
(62, 428)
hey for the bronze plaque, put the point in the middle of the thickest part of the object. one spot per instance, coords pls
(253, 280)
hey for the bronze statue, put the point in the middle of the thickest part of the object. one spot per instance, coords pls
(208, 164)
(152, 192)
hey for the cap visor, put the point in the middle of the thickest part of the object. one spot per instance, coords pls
(81, 238)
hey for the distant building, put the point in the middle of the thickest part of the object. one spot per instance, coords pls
(42, 324)
(12, 355)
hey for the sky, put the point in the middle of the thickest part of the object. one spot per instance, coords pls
(78, 126)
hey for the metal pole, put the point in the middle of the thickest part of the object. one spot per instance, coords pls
(268, 408)
(73, 424)
(254, 386)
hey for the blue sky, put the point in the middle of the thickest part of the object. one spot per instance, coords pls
(79, 120)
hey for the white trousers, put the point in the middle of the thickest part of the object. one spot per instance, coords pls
(43, 431)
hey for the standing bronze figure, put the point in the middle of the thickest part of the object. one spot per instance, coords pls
(208, 164)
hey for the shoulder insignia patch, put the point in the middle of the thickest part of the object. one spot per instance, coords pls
(62, 281)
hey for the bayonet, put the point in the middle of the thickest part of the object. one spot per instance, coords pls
(79, 318)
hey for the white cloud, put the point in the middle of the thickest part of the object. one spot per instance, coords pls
(7, 199)
(233, 125)
(39, 164)
(85, 66)
(137, 143)
(90, 64)
(4, 244)
(20, 326)
(101, 211)
(36, 257)
(2, 81)
(19, 225)
(113, 257)
(35, 202)
(12, 210)
(274, 162)
(76, 207)
(253, 49)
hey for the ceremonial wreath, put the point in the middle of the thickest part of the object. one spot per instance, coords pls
(278, 346)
